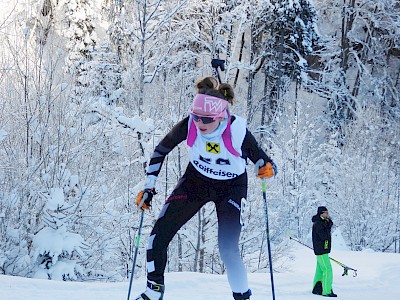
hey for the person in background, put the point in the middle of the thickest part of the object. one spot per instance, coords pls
(218, 146)
(322, 241)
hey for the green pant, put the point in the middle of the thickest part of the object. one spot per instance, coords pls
(323, 273)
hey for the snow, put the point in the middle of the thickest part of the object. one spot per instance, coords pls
(56, 199)
(3, 134)
(378, 274)
(137, 123)
(55, 241)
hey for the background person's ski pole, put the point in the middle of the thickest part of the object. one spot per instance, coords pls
(264, 190)
(136, 253)
(345, 268)
(301, 243)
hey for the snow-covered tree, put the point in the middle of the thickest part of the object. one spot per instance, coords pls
(139, 27)
(56, 251)
(79, 21)
(284, 36)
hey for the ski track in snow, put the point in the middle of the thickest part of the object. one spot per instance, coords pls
(378, 275)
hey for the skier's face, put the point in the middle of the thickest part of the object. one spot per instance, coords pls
(325, 214)
(204, 123)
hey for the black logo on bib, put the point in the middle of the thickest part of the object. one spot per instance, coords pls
(213, 148)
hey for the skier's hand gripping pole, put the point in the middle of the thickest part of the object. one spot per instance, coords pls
(143, 199)
(265, 170)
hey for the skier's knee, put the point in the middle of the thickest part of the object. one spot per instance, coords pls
(229, 255)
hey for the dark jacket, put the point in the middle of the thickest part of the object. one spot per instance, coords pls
(321, 235)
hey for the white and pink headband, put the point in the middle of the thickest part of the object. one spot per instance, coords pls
(211, 106)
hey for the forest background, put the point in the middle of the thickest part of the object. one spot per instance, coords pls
(88, 88)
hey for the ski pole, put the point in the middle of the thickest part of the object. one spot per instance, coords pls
(136, 252)
(264, 191)
(301, 243)
(345, 268)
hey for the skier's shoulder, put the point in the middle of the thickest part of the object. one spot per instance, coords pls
(177, 134)
(238, 126)
(316, 219)
(182, 125)
(239, 131)
(238, 121)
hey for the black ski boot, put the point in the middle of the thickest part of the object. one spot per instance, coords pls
(240, 296)
(317, 290)
(332, 294)
(154, 291)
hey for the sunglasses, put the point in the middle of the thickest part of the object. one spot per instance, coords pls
(205, 120)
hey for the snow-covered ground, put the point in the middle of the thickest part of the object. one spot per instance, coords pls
(378, 275)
